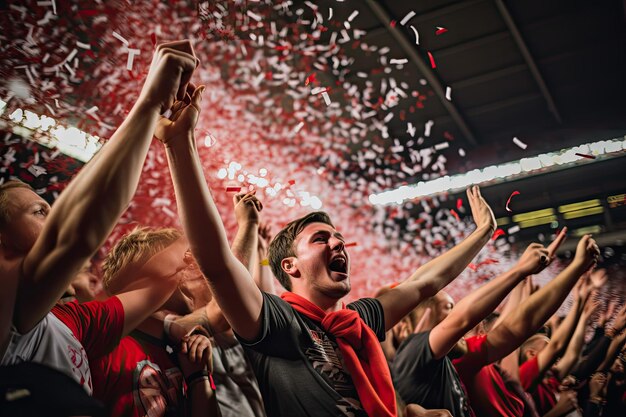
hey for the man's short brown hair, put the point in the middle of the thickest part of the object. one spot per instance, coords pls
(282, 246)
(139, 245)
(5, 217)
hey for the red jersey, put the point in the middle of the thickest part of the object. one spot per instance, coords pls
(488, 394)
(139, 379)
(544, 391)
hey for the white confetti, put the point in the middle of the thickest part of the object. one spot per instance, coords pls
(442, 145)
(353, 15)
(461, 152)
(398, 61)
(131, 57)
(449, 93)
(410, 129)
(519, 143)
(120, 38)
(83, 45)
(298, 127)
(330, 13)
(408, 17)
(417, 35)
(326, 98)
(254, 15)
(513, 230)
(427, 127)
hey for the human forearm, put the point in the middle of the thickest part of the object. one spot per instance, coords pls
(574, 347)
(471, 310)
(234, 290)
(585, 368)
(533, 312)
(203, 400)
(245, 244)
(614, 348)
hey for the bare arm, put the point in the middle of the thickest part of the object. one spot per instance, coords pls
(575, 345)
(477, 305)
(87, 210)
(523, 322)
(239, 298)
(262, 274)
(618, 341)
(247, 209)
(428, 279)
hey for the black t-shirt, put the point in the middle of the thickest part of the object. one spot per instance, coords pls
(299, 366)
(421, 379)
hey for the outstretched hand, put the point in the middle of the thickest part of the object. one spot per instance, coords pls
(183, 118)
(587, 253)
(534, 259)
(247, 208)
(481, 212)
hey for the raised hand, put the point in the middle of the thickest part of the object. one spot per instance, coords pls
(183, 118)
(481, 212)
(534, 259)
(587, 253)
(195, 354)
(170, 72)
(567, 403)
(247, 208)
(265, 237)
(598, 385)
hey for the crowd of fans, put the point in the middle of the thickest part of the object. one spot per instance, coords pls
(191, 325)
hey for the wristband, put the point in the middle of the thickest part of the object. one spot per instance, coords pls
(202, 374)
(265, 262)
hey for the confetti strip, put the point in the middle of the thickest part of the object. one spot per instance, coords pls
(408, 17)
(459, 203)
(394, 61)
(353, 15)
(427, 127)
(131, 57)
(330, 13)
(440, 30)
(497, 234)
(417, 35)
(584, 155)
(514, 229)
(310, 79)
(514, 193)
(519, 143)
(254, 15)
(233, 189)
(442, 145)
(432, 60)
(350, 244)
(456, 216)
(298, 127)
(120, 38)
(449, 93)
(326, 98)
(83, 45)
(392, 23)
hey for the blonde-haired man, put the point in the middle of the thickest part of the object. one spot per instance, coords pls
(139, 377)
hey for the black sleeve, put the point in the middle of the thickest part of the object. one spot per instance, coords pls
(585, 368)
(413, 358)
(277, 325)
(372, 313)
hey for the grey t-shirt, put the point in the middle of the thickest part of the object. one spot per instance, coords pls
(237, 389)
(299, 366)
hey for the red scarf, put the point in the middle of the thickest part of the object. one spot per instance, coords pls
(361, 353)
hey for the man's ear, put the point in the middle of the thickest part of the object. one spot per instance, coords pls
(289, 265)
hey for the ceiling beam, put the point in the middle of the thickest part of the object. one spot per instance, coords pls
(530, 61)
(424, 68)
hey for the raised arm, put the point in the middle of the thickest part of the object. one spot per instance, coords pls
(247, 209)
(428, 279)
(618, 340)
(477, 305)
(262, 274)
(575, 345)
(87, 210)
(239, 298)
(522, 323)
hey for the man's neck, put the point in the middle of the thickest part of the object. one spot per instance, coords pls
(327, 304)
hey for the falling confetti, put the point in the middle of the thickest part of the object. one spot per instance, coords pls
(432, 60)
(508, 201)
(449, 93)
(519, 143)
(233, 189)
(408, 17)
(440, 30)
(497, 234)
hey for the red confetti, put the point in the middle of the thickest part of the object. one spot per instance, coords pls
(350, 244)
(454, 213)
(440, 30)
(584, 155)
(392, 24)
(459, 203)
(509, 201)
(497, 234)
(291, 182)
(473, 267)
(432, 60)
(310, 79)
(153, 39)
(233, 189)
